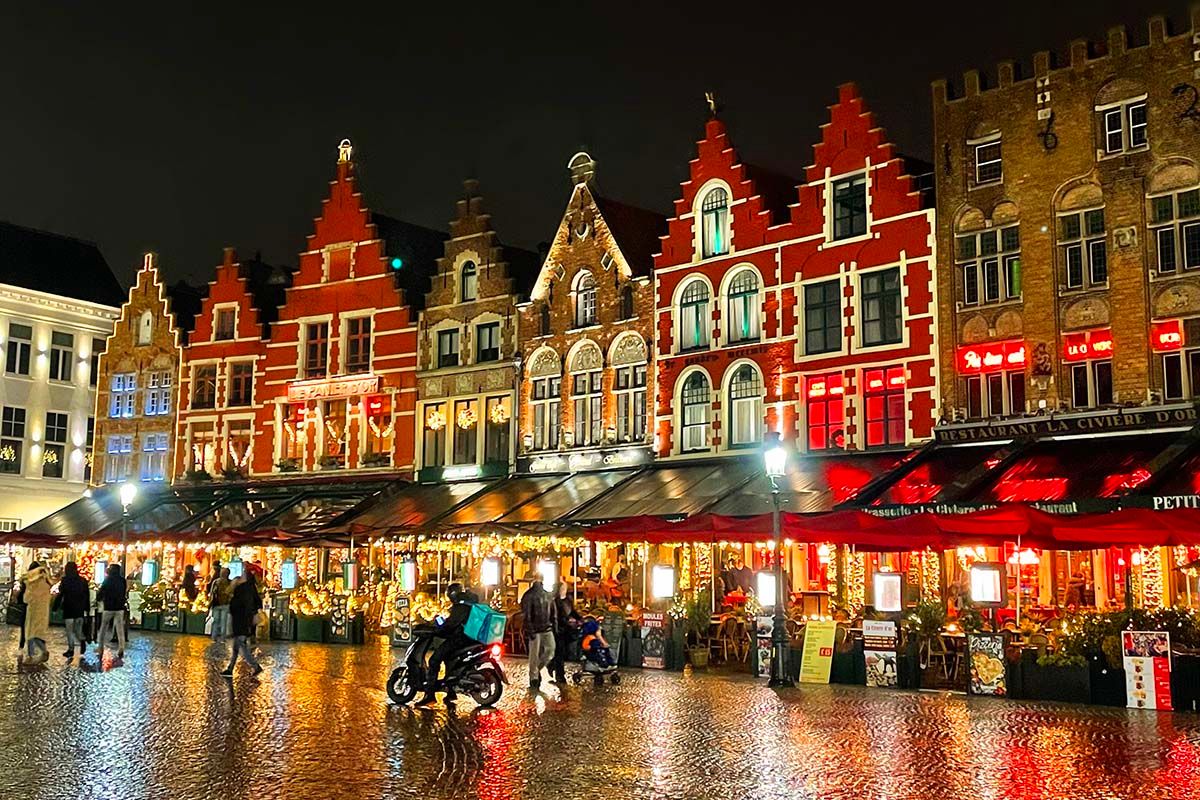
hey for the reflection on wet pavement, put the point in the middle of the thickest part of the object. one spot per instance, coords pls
(317, 724)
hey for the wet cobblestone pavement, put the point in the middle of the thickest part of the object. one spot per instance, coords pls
(317, 725)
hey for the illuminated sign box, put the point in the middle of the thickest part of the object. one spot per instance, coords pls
(989, 585)
(1087, 345)
(888, 592)
(973, 359)
(1167, 335)
(332, 387)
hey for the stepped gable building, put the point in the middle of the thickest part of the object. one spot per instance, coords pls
(586, 335)
(1069, 230)
(819, 326)
(467, 371)
(137, 395)
(223, 369)
(338, 379)
(58, 303)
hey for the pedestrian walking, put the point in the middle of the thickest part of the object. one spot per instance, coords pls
(220, 593)
(112, 597)
(36, 596)
(74, 599)
(537, 605)
(567, 622)
(243, 614)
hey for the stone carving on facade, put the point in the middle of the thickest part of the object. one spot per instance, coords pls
(463, 384)
(432, 387)
(587, 358)
(1125, 237)
(1181, 298)
(1009, 324)
(975, 330)
(496, 379)
(630, 348)
(1086, 313)
(545, 363)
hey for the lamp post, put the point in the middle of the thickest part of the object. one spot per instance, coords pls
(775, 466)
(128, 493)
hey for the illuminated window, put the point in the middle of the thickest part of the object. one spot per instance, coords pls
(203, 447)
(497, 432)
(238, 442)
(89, 450)
(585, 394)
(988, 165)
(122, 391)
(822, 317)
(883, 400)
(743, 321)
(696, 413)
(1124, 126)
(469, 282)
(204, 386)
(316, 349)
(158, 394)
(434, 443)
(989, 265)
(118, 463)
(547, 396)
(295, 432)
(714, 223)
(746, 407)
(881, 311)
(20, 344)
(630, 391)
(62, 356)
(1175, 227)
(54, 451)
(1083, 249)
(12, 439)
(694, 317)
(334, 438)
(850, 207)
(826, 412)
(154, 456)
(585, 300)
(448, 348)
(358, 345)
(241, 384)
(380, 431)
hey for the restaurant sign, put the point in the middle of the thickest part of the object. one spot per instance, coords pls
(1126, 419)
(321, 388)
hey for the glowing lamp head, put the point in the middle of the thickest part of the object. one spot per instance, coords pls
(128, 493)
(408, 576)
(774, 456)
(497, 650)
(489, 572)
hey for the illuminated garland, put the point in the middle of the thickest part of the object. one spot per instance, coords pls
(1152, 579)
(49, 456)
(466, 418)
(8, 453)
(685, 567)
(381, 433)
(436, 420)
(856, 580)
(931, 576)
(499, 413)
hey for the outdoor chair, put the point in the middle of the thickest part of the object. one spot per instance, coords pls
(724, 638)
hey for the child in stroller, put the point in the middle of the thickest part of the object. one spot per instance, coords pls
(597, 657)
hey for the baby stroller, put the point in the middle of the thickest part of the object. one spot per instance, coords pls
(596, 660)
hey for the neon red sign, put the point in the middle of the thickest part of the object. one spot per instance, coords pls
(1089, 344)
(825, 385)
(1167, 335)
(990, 357)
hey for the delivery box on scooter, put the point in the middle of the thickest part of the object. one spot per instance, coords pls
(486, 624)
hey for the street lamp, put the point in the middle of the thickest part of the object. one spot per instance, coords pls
(775, 466)
(128, 493)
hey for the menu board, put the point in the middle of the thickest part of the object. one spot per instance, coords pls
(986, 654)
(654, 640)
(816, 661)
(879, 650)
(764, 627)
(402, 627)
(135, 608)
(1147, 669)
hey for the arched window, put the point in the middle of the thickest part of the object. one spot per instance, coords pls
(145, 328)
(694, 317)
(743, 319)
(745, 407)
(586, 370)
(627, 302)
(469, 282)
(697, 408)
(545, 377)
(714, 222)
(585, 300)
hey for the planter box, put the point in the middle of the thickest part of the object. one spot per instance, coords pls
(149, 620)
(283, 626)
(194, 623)
(310, 629)
(849, 666)
(1064, 684)
(908, 665)
(1185, 682)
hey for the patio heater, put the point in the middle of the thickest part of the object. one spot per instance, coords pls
(128, 493)
(775, 466)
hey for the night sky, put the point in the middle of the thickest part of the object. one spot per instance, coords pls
(151, 126)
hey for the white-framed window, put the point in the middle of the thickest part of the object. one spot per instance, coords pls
(54, 451)
(224, 323)
(989, 265)
(585, 300)
(1175, 226)
(239, 440)
(585, 394)
(158, 393)
(316, 349)
(743, 322)
(850, 207)
(447, 349)
(497, 431)
(12, 440)
(694, 317)
(989, 167)
(154, 457)
(469, 281)
(122, 394)
(487, 341)
(714, 222)
(823, 317)
(204, 386)
(995, 394)
(18, 347)
(1181, 375)
(882, 311)
(433, 445)
(239, 388)
(118, 463)
(89, 444)
(1092, 383)
(466, 432)
(1083, 249)
(358, 345)
(145, 328)
(62, 356)
(1124, 126)
(546, 400)
(630, 391)
(746, 407)
(695, 413)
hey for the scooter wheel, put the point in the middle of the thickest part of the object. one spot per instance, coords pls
(399, 688)
(489, 688)
(616, 678)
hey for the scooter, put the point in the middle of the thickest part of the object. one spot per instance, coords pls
(473, 670)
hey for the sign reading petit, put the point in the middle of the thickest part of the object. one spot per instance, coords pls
(321, 388)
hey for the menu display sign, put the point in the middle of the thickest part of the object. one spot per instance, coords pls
(879, 649)
(989, 585)
(1147, 656)
(816, 661)
(986, 654)
(135, 608)
(763, 628)
(654, 640)
(888, 592)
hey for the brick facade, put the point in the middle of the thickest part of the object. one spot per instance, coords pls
(466, 424)
(1079, 162)
(586, 336)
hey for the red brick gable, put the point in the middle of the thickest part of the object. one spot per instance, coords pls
(228, 287)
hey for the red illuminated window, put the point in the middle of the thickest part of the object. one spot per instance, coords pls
(1167, 335)
(826, 412)
(883, 399)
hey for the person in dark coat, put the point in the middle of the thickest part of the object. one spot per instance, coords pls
(73, 599)
(454, 638)
(567, 622)
(541, 620)
(190, 590)
(243, 608)
(113, 598)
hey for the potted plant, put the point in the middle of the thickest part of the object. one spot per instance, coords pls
(376, 460)
(197, 476)
(232, 474)
(288, 465)
(698, 616)
(330, 462)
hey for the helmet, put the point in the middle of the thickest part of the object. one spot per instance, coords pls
(454, 592)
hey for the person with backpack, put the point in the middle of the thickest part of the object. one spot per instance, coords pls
(220, 594)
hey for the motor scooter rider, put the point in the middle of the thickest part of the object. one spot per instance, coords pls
(451, 632)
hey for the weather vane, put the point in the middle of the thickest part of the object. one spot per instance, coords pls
(711, 99)
(344, 150)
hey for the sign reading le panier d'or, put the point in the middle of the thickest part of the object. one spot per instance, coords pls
(320, 388)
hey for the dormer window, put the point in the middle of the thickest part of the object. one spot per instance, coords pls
(850, 207)
(585, 300)
(223, 327)
(714, 223)
(469, 282)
